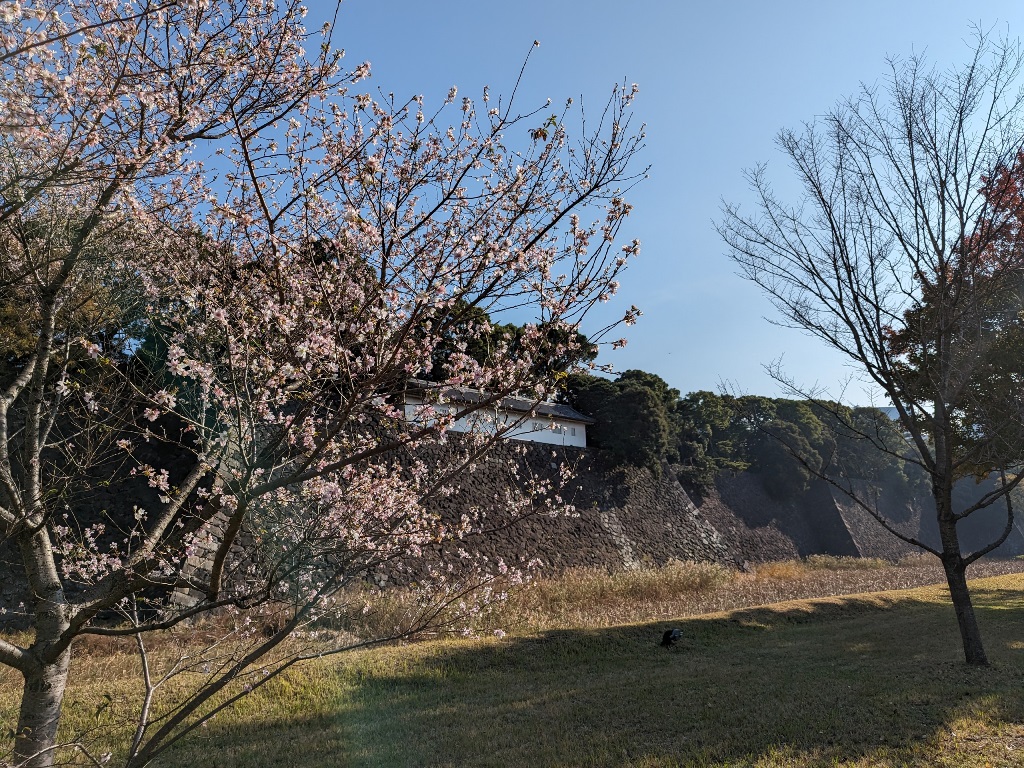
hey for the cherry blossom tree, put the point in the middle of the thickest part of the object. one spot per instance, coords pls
(227, 262)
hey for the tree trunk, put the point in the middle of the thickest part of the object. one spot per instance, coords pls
(46, 675)
(956, 577)
(953, 562)
(41, 702)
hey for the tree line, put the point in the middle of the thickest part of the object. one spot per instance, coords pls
(643, 421)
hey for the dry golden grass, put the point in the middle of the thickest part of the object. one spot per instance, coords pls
(863, 680)
(590, 597)
(106, 688)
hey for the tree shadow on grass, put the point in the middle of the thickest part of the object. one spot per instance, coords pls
(307, 742)
(857, 681)
(824, 683)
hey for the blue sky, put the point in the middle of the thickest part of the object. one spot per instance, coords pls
(718, 80)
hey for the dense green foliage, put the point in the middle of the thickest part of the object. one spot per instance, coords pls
(633, 414)
(644, 422)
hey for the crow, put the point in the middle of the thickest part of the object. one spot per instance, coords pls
(670, 638)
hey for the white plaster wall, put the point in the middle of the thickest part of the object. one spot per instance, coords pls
(552, 431)
(541, 429)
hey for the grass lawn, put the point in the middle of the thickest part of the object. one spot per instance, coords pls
(861, 680)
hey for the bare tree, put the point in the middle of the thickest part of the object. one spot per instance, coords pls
(896, 256)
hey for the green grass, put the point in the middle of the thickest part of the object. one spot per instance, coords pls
(858, 680)
(869, 680)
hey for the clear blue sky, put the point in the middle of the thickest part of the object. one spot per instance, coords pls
(718, 80)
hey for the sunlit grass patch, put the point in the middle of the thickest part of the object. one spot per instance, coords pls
(599, 593)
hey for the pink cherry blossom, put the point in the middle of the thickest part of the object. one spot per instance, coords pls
(241, 264)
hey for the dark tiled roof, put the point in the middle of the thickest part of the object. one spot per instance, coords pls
(559, 410)
(518, 404)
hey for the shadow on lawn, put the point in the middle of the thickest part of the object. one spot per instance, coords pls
(308, 742)
(824, 683)
(834, 681)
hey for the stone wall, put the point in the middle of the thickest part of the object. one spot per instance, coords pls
(627, 517)
(632, 517)
(621, 517)
(870, 538)
(811, 521)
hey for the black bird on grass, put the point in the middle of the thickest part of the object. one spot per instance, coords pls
(670, 638)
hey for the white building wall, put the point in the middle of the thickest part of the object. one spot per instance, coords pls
(552, 431)
(540, 429)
